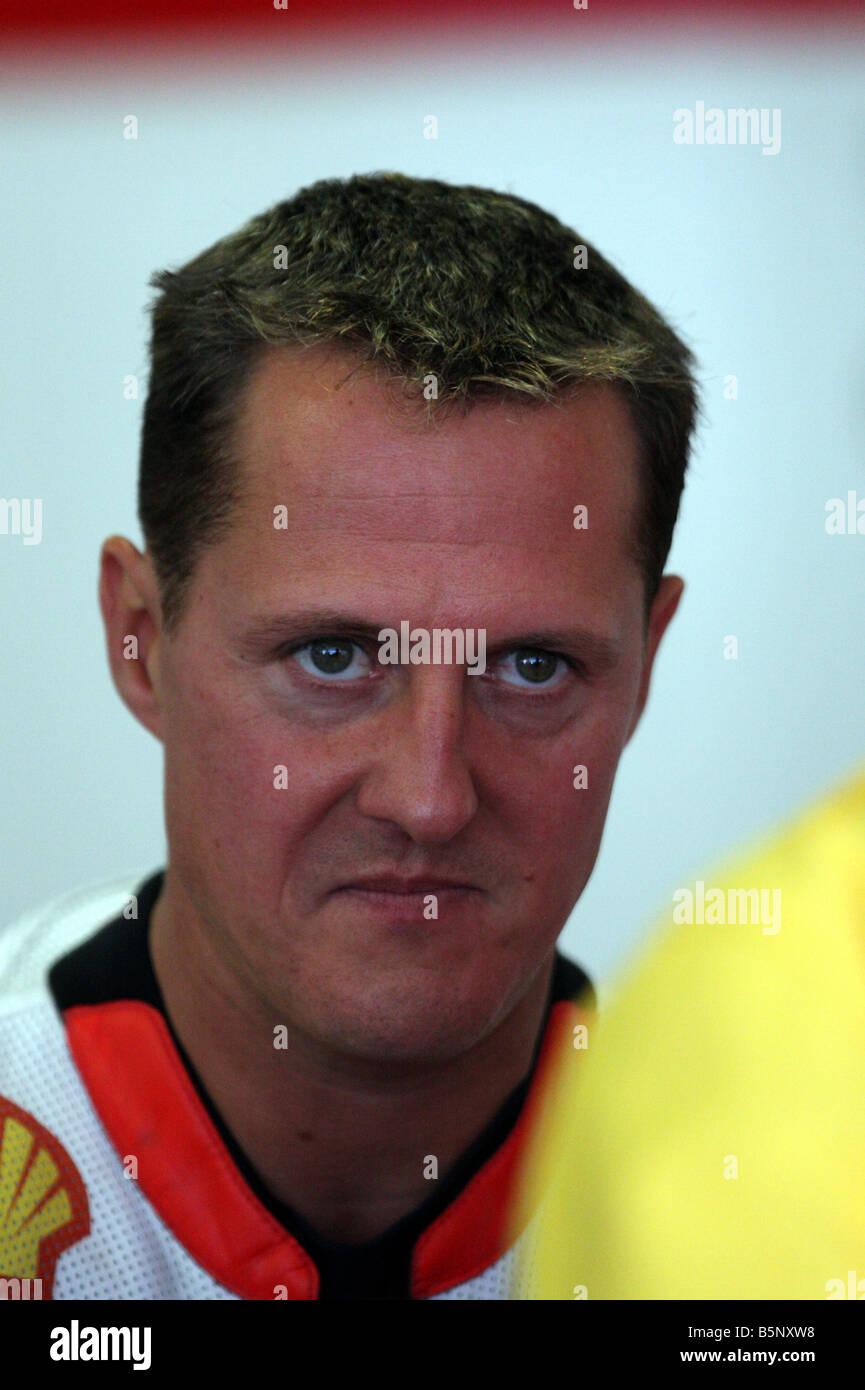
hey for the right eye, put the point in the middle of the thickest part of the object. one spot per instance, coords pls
(332, 659)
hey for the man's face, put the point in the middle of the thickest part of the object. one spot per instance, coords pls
(414, 771)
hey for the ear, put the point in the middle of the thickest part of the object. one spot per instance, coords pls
(666, 602)
(131, 612)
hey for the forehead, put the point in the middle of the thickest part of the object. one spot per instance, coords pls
(484, 497)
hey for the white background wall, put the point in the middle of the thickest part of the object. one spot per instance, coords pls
(757, 259)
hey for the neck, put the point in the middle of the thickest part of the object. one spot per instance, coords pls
(342, 1141)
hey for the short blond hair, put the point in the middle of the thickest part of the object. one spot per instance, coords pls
(484, 291)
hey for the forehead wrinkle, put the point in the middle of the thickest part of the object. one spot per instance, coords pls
(430, 542)
(509, 522)
(438, 594)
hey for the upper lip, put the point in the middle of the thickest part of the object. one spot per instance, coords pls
(393, 883)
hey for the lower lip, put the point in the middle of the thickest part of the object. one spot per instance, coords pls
(410, 907)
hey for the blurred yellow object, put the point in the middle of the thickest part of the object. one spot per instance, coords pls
(710, 1141)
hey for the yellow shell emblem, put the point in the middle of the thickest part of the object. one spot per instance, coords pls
(43, 1202)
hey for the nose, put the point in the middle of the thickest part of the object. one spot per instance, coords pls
(420, 778)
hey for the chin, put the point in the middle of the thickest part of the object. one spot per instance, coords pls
(415, 1029)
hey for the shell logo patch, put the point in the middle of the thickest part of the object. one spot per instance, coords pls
(43, 1203)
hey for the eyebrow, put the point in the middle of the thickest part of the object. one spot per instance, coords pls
(264, 632)
(283, 628)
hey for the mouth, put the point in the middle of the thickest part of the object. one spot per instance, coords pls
(405, 887)
(423, 901)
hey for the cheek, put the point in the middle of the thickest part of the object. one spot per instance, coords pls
(244, 788)
(566, 784)
(558, 802)
(226, 801)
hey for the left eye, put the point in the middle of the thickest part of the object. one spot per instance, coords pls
(533, 666)
(334, 658)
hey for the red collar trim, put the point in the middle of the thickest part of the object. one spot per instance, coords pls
(190, 1179)
(184, 1168)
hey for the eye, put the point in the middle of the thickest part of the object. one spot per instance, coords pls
(333, 658)
(533, 666)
